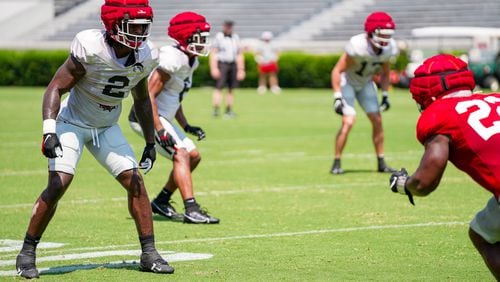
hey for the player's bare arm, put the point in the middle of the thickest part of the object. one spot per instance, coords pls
(64, 79)
(142, 105)
(155, 86)
(432, 165)
(384, 77)
(343, 64)
(180, 117)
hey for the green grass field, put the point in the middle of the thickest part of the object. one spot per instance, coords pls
(266, 175)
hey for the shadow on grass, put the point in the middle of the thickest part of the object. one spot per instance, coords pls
(128, 265)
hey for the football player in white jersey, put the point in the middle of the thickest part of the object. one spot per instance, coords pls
(365, 55)
(168, 85)
(103, 67)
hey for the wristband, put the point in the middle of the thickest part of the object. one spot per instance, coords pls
(337, 95)
(49, 126)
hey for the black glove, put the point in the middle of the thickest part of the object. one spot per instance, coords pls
(148, 157)
(195, 130)
(166, 141)
(338, 105)
(385, 105)
(397, 183)
(51, 147)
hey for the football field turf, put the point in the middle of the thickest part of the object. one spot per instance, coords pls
(266, 175)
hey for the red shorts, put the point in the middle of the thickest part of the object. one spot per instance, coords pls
(268, 68)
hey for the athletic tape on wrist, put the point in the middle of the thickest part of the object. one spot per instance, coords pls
(49, 126)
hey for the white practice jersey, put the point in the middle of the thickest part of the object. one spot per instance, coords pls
(175, 63)
(366, 62)
(95, 101)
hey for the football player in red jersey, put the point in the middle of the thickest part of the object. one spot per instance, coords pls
(168, 86)
(103, 68)
(365, 54)
(464, 128)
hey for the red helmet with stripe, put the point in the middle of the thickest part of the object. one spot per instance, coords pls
(440, 75)
(127, 21)
(380, 27)
(191, 31)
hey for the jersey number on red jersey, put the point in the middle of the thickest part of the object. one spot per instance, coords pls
(482, 112)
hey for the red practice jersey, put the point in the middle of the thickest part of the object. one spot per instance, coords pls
(473, 125)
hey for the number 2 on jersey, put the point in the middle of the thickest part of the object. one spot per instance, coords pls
(483, 111)
(116, 82)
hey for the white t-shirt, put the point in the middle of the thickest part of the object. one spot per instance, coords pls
(366, 62)
(228, 47)
(176, 63)
(96, 99)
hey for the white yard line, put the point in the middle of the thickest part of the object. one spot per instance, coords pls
(270, 235)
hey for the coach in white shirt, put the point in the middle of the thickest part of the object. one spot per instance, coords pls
(227, 67)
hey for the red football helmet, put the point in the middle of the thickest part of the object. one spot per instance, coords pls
(440, 75)
(380, 27)
(127, 21)
(191, 31)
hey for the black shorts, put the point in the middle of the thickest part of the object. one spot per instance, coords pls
(227, 76)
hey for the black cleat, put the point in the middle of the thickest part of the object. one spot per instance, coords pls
(336, 169)
(383, 167)
(387, 169)
(198, 215)
(25, 266)
(153, 262)
(165, 209)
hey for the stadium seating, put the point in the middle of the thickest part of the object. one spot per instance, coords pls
(410, 14)
(61, 6)
(251, 17)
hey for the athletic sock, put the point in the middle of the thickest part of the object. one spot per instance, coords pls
(164, 196)
(381, 162)
(228, 109)
(147, 243)
(336, 162)
(29, 244)
(190, 205)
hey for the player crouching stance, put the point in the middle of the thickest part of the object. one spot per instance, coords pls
(461, 127)
(168, 85)
(366, 54)
(103, 67)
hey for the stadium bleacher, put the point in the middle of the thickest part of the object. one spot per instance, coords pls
(410, 14)
(251, 17)
(315, 25)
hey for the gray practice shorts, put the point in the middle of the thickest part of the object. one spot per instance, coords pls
(227, 76)
(487, 222)
(366, 96)
(107, 145)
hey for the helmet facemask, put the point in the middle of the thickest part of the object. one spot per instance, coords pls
(132, 32)
(199, 44)
(381, 38)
